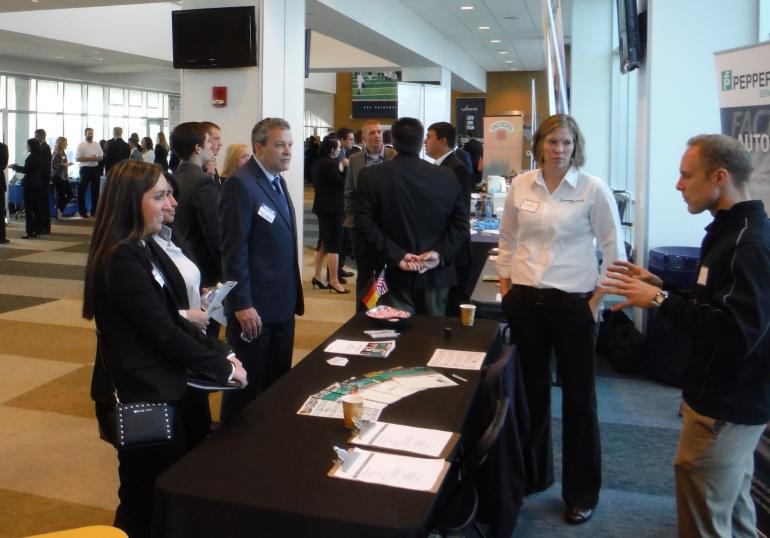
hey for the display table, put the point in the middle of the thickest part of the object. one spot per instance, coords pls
(16, 197)
(266, 474)
(485, 294)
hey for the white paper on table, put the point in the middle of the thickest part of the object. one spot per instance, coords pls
(378, 349)
(454, 358)
(423, 441)
(425, 381)
(314, 407)
(499, 297)
(391, 387)
(338, 361)
(421, 474)
(383, 397)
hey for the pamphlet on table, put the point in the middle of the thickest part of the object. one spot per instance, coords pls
(421, 474)
(400, 438)
(378, 350)
(457, 359)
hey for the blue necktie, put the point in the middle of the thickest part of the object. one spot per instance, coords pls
(279, 190)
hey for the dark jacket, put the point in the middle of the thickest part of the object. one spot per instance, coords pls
(117, 150)
(148, 346)
(3, 166)
(32, 170)
(259, 254)
(727, 376)
(329, 187)
(161, 156)
(45, 162)
(197, 222)
(476, 151)
(465, 180)
(408, 205)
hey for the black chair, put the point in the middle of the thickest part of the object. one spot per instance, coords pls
(458, 511)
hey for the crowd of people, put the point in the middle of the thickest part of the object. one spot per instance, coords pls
(168, 227)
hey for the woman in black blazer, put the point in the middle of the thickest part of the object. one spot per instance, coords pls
(145, 348)
(32, 186)
(329, 207)
(161, 151)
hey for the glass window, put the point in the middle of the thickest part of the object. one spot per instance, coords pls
(117, 121)
(53, 125)
(138, 126)
(73, 98)
(95, 100)
(31, 95)
(11, 93)
(49, 96)
(97, 124)
(135, 98)
(2, 91)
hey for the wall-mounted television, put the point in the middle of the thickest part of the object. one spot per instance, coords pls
(214, 38)
(631, 33)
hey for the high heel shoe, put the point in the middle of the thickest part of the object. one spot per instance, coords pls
(343, 291)
(317, 283)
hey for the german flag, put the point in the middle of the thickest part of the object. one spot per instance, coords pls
(378, 289)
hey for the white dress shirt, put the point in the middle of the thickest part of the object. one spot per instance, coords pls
(549, 240)
(443, 157)
(88, 149)
(190, 272)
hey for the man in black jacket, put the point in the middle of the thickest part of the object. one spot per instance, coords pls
(726, 381)
(3, 190)
(197, 222)
(117, 149)
(476, 150)
(438, 145)
(44, 204)
(411, 214)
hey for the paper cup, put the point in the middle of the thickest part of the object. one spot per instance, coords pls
(352, 407)
(467, 314)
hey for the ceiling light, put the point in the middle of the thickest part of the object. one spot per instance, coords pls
(495, 41)
(502, 52)
(466, 8)
(509, 61)
(60, 57)
(483, 27)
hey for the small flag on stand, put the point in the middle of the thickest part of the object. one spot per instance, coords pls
(378, 289)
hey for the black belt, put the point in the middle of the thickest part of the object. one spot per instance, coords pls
(548, 295)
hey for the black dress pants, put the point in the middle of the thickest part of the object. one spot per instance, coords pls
(32, 218)
(44, 207)
(542, 321)
(89, 177)
(63, 193)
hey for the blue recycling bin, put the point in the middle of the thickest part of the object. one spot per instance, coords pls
(668, 346)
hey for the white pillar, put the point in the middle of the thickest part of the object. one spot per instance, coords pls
(275, 87)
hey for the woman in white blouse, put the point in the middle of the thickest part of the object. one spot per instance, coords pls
(554, 220)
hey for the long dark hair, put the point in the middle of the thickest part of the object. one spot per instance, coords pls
(118, 219)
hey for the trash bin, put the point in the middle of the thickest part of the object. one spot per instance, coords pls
(667, 345)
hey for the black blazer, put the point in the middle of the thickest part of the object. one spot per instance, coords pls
(329, 187)
(258, 254)
(117, 150)
(148, 346)
(465, 180)
(3, 165)
(45, 162)
(476, 151)
(197, 222)
(408, 205)
(32, 170)
(161, 156)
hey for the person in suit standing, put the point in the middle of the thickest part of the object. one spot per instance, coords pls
(144, 347)
(32, 184)
(3, 190)
(476, 151)
(117, 150)
(438, 146)
(44, 193)
(411, 212)
(374, 152)
(259, 251)
(197, 223)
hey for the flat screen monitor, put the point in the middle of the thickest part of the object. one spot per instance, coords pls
(214, 38)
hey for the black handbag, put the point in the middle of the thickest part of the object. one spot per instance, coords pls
(138, 424)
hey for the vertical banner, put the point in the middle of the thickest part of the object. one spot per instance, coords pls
(375, 94)
(502, 145)
(554, 58)
(469, 112)
(174, 111)
(743, 80)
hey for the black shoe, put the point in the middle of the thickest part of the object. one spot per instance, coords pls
(317, 283)
(4, 241)
(29, 236)
(576, 516)
(342, 280)
(346, 274)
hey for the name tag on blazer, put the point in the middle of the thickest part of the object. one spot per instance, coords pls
(158, 276)
(266, 213)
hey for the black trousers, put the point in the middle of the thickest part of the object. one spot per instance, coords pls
(63, 193)
(3, 211)
(32, 218)
(542, 322)
(366, 267)
(44, 207)
(89, 177)
(265, 359)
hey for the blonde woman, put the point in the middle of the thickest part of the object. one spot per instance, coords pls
(236, 156)
(161, 151)
(59, 165)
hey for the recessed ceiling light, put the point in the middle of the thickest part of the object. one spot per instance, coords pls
(466, 8)
(509, 61)
(483, 27)
(60, 57)
(495, 41)
(502, 52)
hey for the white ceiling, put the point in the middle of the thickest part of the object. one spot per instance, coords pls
(516, 23)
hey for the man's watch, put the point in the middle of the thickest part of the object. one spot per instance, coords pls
(658, 299)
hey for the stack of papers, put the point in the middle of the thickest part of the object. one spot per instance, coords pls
(421, 474)
(421, 441)
(460, 360)
(377, 350)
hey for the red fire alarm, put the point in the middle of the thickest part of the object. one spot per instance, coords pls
(219, 96)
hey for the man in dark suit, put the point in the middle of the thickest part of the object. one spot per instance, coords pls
(476, 151)
(44, 205)
(374, 153)
(259, 251)
(117, 149)
(438, 146)
(197, 222)
(411, 213)
(3, 190)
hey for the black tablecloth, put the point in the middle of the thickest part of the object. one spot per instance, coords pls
(266, 474)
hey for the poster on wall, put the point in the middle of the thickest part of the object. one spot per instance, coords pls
(174, 111)
(743, 78)
(469, 112)
(375, 94)
(743, 82)
(503, 136)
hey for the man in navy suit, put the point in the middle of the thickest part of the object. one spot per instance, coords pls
(259, 251)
